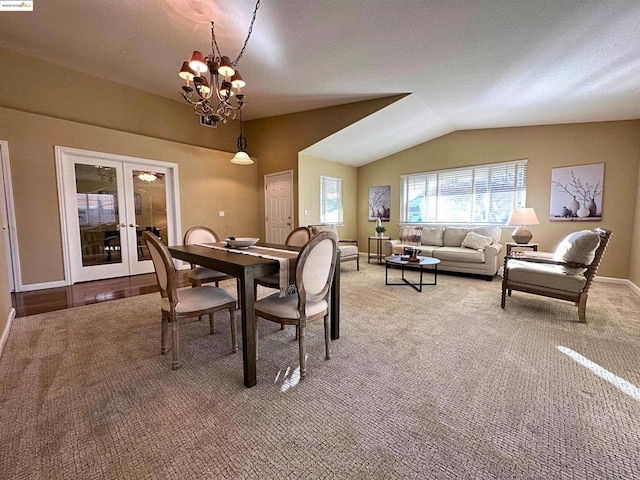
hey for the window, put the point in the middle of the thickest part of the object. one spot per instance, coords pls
(483, 194)
(330, 200)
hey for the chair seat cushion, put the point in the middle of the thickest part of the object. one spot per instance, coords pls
(198, 298)
(348, 250)
(545, 275)
(287, 307)
(201, 273)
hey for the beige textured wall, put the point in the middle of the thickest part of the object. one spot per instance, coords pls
(309, 172)
(208, 183)
(276, 141)
(68, 94)
(617, 144)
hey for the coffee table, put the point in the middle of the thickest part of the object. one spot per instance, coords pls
(396, 261)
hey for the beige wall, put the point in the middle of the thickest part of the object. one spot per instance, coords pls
(208, 183)
(309, 172)
(276, 141)
(617, 144)
(68, 94)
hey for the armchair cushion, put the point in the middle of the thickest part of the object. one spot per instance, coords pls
(578, 247)
(549, 277)
(476, 241)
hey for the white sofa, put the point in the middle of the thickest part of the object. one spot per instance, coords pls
(464, 250)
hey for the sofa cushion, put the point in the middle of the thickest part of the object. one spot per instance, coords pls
(476, 241)
(493, 232)
(458, 254)
(410, 235)
(453, 236)
(578, 247)
(432, 236)
(423, 250)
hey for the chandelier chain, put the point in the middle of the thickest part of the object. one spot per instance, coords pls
(255, 11)
(214, 44)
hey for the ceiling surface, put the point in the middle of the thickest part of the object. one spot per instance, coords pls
(464, 64)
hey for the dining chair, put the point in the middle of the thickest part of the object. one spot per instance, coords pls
(199, 275)
(349, 249)
(178, 306)
(297, 238)
(314, 273)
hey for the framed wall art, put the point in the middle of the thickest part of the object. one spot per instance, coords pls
(576, 193)
(379, 203)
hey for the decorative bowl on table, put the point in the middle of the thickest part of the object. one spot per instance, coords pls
(241, 242)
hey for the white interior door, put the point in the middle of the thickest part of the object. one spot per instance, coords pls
(7, 219)
(278, 206)
(106, 204)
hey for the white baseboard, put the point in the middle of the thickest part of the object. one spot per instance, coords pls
(620, 281)
(7, 328)
(42, 286)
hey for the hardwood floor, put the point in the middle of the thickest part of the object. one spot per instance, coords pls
(86, 293)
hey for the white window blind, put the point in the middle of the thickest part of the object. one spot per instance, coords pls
(483, 194)
(330, 200)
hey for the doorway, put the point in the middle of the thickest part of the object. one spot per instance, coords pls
(278, 201)
(106, 202)
(8, 220)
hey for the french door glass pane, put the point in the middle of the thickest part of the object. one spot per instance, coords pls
(97, 200)
(150, 202)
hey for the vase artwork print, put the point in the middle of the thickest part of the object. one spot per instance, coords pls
(577, 193)
(379, 203)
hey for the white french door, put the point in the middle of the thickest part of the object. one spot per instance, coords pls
(107, 201)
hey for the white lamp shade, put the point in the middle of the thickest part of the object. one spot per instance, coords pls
(523, 216)
(242, 158)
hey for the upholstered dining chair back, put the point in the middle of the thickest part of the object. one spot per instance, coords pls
(316, 265)
(200, 234)
(163, 264)
(298, 237)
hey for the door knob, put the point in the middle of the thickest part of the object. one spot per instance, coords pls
(122, 224)
(134, 225)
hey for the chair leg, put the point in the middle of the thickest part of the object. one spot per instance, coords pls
(210, 323)
(232, 321)
(358, 262)
(504, 297)
(582, 308)
(327, 337)
(175, 348)
(282, 326)
(303, 351)
(163, 334)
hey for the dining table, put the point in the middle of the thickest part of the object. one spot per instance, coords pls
(247, 268)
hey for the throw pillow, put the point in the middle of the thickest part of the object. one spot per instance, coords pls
(476, 241)
(410, 235)
(578, 247)
(432, 236)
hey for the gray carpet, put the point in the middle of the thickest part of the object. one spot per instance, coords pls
(439, 384)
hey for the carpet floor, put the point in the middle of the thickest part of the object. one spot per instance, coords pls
(442, 384)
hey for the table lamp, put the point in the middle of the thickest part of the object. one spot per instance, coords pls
(520, 218)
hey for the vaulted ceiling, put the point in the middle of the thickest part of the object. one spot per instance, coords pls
(464, 64)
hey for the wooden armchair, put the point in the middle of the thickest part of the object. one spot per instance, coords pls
(349, 249)
(566, 274)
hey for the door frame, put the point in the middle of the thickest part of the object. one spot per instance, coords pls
(266, 177)
(172, 185)
(13, 257)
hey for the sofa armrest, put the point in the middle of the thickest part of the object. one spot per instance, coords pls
(388, 247)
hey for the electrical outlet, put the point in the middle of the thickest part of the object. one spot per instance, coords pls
(221, 213)
(306, 212)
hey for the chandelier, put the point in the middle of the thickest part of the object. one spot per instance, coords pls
(219, 98)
